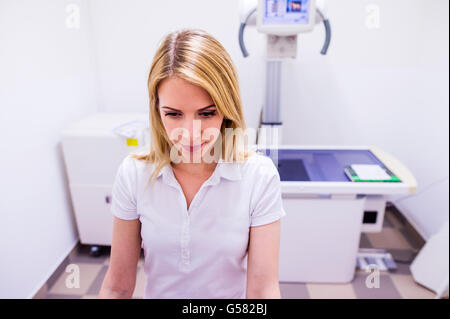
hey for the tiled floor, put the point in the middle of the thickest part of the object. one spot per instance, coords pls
(396, 237)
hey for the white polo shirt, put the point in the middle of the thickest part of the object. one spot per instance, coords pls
(200, 252)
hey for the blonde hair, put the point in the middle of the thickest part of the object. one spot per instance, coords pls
(197, 57)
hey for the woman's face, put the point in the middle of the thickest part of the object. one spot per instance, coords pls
(189, 116)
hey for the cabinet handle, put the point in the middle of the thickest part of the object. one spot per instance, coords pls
(107, 199)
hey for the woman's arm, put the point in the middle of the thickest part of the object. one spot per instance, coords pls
(120, 279)
(262, 267)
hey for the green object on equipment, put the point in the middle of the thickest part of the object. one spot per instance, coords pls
(350, 172)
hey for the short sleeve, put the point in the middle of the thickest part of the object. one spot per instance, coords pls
(123, 202)
(267, 203)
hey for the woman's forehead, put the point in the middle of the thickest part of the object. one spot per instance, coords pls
(179, 94)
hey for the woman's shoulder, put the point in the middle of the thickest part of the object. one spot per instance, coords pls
(137, 162)
(259, 164)
(257, 158)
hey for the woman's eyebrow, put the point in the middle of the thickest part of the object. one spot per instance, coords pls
(207, 107)
(202, 109)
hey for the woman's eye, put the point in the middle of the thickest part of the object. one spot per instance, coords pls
(208, 114)
(203, 114)
(172, 114)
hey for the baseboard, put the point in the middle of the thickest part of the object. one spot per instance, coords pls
(409, 226)
(404, 214)
(41, 290)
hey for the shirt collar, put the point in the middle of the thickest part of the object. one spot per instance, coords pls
(227, 170)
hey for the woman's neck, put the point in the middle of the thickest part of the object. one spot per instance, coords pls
(195, 169)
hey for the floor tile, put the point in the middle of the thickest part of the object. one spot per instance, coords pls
(409, 289)
(140, 284)
(386, 289)
(410, 238)
(89, 297)
(388, 238)
(87, 274)
(87, 259)
(364, 241)
(331, 291)
(41, 293)
(293, 291)
(94, 289)
(405, 256)
(402, 269)
(387, 222)
(394, 220)
(403, 259)
(62, 296)
(58, 272)
(395, 237)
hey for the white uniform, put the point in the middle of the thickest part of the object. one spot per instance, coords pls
(200, 252)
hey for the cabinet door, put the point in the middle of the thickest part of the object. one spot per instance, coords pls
(320, 239)
(92, 213)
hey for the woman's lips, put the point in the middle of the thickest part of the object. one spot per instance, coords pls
(193, 148)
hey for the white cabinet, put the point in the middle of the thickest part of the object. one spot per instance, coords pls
(94, 220)
(320, 239)
(93, 151)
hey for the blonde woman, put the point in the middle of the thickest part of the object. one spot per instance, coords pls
(209, 220)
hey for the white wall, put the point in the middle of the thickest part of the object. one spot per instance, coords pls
(386, 86)
(127, 34)
(46, 82)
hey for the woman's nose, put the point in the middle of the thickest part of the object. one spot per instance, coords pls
(194, 128)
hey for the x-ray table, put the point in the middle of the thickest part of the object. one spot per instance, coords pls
(326, 212)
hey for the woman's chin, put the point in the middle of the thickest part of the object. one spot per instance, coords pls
(198, 155)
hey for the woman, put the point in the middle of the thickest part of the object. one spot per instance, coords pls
(209, 223)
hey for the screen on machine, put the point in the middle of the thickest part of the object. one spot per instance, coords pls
(286, 12)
